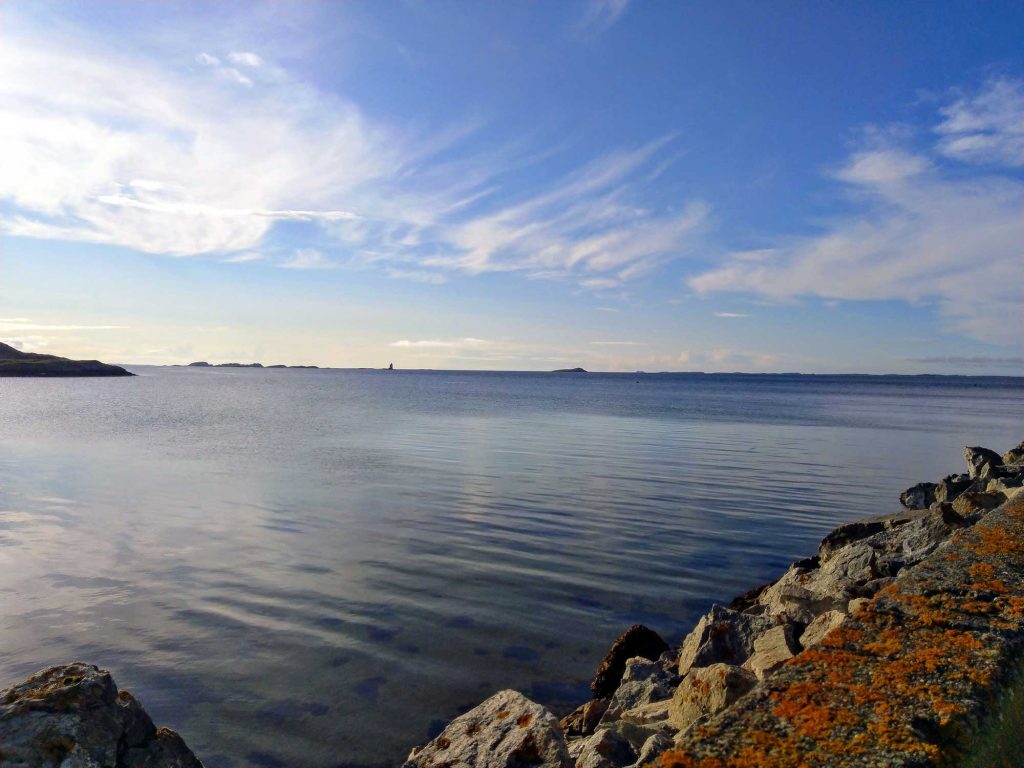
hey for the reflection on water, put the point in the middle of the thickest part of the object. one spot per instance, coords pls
(314, 568)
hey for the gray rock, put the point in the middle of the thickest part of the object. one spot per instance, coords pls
(722, 635)
(607, 748)
(824, 624)
(647, 714)
(653, 748)
(801, 594)
(643, 682)
(918, 496)
(73, 716)
(706, 691)
(1014, 455)
(981, 462)
(772, 649)
(971, 506)
(909, 544)
(505, 731)
(950, 487)
(861, 529)
(638, 640)
(583, 720)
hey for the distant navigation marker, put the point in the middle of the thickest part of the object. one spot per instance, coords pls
(391, 366)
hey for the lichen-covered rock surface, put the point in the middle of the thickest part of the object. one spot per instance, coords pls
(505, 731)
(73, 716)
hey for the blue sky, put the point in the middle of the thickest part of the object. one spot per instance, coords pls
(819, 187)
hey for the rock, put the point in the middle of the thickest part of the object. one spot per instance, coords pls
(505, 731)
(607, 748)
(643, 682)
(653, 748)
(772, 649)
(721, 635)
(824, 624)
(584, 719)
(802, 594)
(1014, 455)
(862, 529)
(918, 496)
(950, 487)
(981, 461)
(853, 606)
(638, 640)
(971, 506)
(647, 714)
(73, 716)
(706, 691)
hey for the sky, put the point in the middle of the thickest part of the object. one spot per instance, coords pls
(613, 184)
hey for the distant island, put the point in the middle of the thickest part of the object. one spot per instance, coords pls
(570, 370)
(204, 364)
(14, 362)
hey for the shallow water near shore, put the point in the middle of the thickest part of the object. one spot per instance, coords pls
(318, 568)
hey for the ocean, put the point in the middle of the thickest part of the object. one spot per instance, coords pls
(318, 568)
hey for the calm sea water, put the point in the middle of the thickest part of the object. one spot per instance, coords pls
(318, 568)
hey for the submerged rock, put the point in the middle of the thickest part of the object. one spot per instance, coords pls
(505, 731)
(638, 640)
(73, 716)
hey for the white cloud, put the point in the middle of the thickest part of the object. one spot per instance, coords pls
(465, 343)
(307, 258)
(245, 59)
(731, 314)
(987, 126)
(924, 235)
(599, 16)
(167, 160)
(244, 258)
(619, 343)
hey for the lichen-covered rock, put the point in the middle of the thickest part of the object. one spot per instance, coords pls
(73, 716)
(583, 720)
(861, 529)
(505, 731)
(722, 635)
(638, 640)
(981, 462)
(643, 682)
(918, 496)
(825, 623)
(653, 748)
(772, 649)
(706, 691)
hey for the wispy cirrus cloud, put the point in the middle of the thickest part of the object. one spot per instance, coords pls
(924, 233)
(307, 258)
(159, 156)
(598, 16)
(731, 315)
(464, 343)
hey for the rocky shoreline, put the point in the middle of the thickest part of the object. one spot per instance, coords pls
(752, 679)
(652, 702)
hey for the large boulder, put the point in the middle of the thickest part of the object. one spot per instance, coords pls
(608, 748)
(981, 462)
(638, 640)
(505, 731)
(643, 682)
(861, 529)
(825, 623)
(73, 716)
(706, 691)
(918, 496)
(971, 506)
(722, 635)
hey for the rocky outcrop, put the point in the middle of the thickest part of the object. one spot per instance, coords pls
(865, 614)
(506, 731)
(73, 716)
(14, 362)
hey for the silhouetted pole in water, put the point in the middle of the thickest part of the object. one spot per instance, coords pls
(391, 366)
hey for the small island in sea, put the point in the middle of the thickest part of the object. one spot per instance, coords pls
(14, 362)
(204, 364)
(570, 370)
